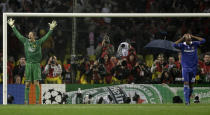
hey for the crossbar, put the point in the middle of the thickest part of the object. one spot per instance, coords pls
(124, 15)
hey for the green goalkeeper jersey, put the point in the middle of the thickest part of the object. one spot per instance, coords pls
(33, 50)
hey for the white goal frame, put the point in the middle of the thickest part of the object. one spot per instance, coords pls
(122, 15)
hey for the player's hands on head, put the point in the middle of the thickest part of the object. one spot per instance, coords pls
(11, 22)
(52, 25)
(184, 36)
(187, 36)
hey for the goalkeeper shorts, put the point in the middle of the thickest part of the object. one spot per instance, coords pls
(32, 72)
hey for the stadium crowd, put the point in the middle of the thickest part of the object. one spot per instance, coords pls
(109, 68)
(105, 66)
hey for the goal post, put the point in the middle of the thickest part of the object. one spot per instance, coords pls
(4, 58)
(122, 15)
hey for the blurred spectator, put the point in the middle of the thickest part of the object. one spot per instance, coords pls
(121, 72)
(141, 73)
(178, 77)
(19, 69)
(131, 62)
(83, 68)
(178, 62)
(10, 67)
(106, 9)
(205, 67)
(172, 69)
(67, 72)
(105, 60)
(17, 79)
(169, 72)
(131, 58)
(166, 77)
(157, 68)
(113, 61)
(123, 48)
(171, 63)
(93, 74)
(53, 71)
(105, 46)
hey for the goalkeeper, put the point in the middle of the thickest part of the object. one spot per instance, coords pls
(33, 54)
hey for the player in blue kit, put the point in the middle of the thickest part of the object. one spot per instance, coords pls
(189, 61)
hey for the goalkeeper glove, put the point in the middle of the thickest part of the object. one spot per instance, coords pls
(11, 22)
(52, 25)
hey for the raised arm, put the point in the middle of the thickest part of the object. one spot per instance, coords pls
(178, 43)
(17, 33)
(52, 26)
(201, 40)
(196, 37)
(179, 40)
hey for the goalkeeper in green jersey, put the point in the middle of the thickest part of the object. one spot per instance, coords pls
(33, 54)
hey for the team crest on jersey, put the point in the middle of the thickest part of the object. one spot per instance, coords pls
(193, 47)
(32, 47)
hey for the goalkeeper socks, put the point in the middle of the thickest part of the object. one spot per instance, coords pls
(26, 94)
(37, 93)
(186, 94)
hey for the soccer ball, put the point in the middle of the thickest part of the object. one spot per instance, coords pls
(53, 96)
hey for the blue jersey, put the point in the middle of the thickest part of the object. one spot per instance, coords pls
(189, 56)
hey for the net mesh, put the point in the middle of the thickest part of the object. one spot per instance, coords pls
(61, 87)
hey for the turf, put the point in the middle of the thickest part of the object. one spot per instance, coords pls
(117, 109)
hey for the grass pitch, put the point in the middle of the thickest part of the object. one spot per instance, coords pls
(116, 109)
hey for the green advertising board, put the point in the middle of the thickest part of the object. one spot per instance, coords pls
(130, 93)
